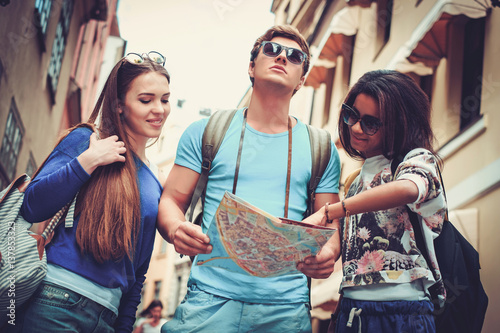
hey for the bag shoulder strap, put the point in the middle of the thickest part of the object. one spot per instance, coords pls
(21, 182)
(214, 133)
(321, 146)
(321, 149)
(350, 179)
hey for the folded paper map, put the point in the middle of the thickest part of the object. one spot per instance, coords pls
(247, 240)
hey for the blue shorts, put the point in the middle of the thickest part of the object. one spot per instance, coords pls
(204, 312)
(385, 316)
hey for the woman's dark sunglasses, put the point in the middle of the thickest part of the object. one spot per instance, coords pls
(369, 125)
(136, 58)
(272, 49)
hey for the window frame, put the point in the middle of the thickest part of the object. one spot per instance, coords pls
(12, 143)
(41, 15)
(472, 72)
(59, 47)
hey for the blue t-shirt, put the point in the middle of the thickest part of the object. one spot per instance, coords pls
(57, 183)
(262, 183)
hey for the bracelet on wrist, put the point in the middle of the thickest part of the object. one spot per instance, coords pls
(346, 211)
(328, 221)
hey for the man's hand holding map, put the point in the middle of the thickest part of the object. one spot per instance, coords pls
(247, 240)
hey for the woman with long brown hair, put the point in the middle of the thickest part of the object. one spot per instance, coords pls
(96, 268)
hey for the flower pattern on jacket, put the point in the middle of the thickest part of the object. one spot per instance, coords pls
(380, 246)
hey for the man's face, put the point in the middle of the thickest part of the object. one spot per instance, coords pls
(277, 70)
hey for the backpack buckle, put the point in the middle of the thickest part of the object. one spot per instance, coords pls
(206, 164)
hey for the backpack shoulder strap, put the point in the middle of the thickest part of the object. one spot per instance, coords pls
(350, 179)
(214, 133)
(321, 145)
(321, 149)
(21, 182)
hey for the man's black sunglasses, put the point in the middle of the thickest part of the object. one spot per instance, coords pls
(272, 49)
(369, 124)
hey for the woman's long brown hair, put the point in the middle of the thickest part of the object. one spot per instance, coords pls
(109, 202)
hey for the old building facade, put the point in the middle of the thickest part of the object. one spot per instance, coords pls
(51, 53)
(450, 47)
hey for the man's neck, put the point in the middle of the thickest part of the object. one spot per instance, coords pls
(268, 113)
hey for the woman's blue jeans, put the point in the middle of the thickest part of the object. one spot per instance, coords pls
(56, 309)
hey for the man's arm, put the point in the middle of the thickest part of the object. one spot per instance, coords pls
(187, 238)
(321, 265)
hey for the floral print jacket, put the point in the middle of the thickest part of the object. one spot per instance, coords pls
(379, 247)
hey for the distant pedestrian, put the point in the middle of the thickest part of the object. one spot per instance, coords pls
(150, 320)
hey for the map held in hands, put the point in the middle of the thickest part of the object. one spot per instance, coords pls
(247, 240)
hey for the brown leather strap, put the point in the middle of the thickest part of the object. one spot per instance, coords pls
(20, 183)
(289, 166)
(240, 148)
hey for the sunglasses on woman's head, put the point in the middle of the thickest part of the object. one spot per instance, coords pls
(136, 58)
(369, 124)
(272, 49)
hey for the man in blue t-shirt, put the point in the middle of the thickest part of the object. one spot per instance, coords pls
(219, 300)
